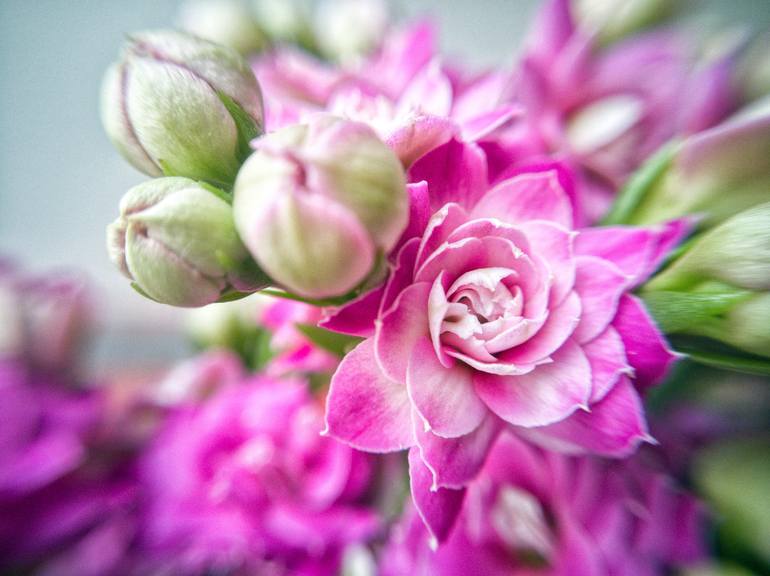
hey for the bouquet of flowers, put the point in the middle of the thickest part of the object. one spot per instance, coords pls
(452, 321)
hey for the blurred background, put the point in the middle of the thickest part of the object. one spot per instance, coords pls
(60, 179)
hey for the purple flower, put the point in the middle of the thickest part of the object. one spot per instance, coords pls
(532, 512)
(500, 314)
(244, 481)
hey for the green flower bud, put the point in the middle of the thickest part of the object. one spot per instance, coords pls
(316, 203)
(716, 173)
(737, 253)
(176, 240)
(612, 20)
(178, 105)
(228, 22)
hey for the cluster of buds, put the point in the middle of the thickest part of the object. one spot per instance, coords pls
(315, 207)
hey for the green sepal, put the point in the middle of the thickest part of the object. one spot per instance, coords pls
(138, 289)
(712, 353)
(247, 128)
(633, 193)
(679, 311)
(338, 344)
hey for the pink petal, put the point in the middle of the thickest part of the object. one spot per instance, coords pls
(419, 213)
(455, 259)
(559, 326)
(439, 227)
(607, 357)
(550, 393)
(355, 318)
(365, 408)
(614, 427)
(400, 328)
(534, 196)
(646, 348)
(419, 136)
(437, 508)
(455, 172)
(429, 91)
(444, 397)
(455, 462)
(554, 245)
(600, 284)
(480, 126)
(402, 273)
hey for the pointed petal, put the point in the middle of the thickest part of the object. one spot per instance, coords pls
(365, 408)
(614, 427)
(437, 508)
(549, 393)
(554, 244)
(647, 351)
(444, 397)
(455, 461)
(607, 357)
(355, 318)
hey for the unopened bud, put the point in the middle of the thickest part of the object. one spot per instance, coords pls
(612, 20)
(178, 105)
(177, 241)
(228, 22)
(316, 203)
(347, 30)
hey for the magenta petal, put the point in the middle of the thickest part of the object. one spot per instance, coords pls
(534, 196)
(429, 91)
(419, 213)
(478, 127)
(365, 408)
(400, 328)
(455, 461)
(438, 508)
(547, 394)
(444, 397)
(439, 228)
(402, 273)
(456, 172)
(355, 318)
(600, 284)
(646, 348)
(607, 356)
(614, 427)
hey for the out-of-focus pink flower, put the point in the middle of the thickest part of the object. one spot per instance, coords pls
(532, 512)
(500, 314)
(245, 478)
(404, 92)
(295, 353)
(607, 110)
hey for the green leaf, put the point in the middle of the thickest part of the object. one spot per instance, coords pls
(338, 344)
(712, 353)
(633, 193)
(245, 124)
(678, 311)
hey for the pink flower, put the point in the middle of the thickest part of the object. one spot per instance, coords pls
(533, 512)
(403, 91)
(245, 479)
(606, 110)
(500, 314)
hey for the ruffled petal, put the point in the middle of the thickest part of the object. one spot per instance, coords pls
(607, 356)
(600, 284)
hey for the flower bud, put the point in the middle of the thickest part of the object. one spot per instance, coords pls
(754, 70)
(176, 240)
(737, 252)
(228, 22)
(179, 105)
(316, 203)
(347, 30)
(612, 20)
(716, 173)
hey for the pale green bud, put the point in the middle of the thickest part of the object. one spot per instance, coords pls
(178, 105)
(612, 20)
(228, 22)
(316, 203)
(348, 30)
(176, 240)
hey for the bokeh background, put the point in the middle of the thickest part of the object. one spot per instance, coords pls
(60, 179)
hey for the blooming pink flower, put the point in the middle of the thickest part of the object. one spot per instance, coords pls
(403, 91)
(606, 110)
(533, 512)
(245, 478)
(499, 313)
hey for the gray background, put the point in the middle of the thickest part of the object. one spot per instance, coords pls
(60, 180)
